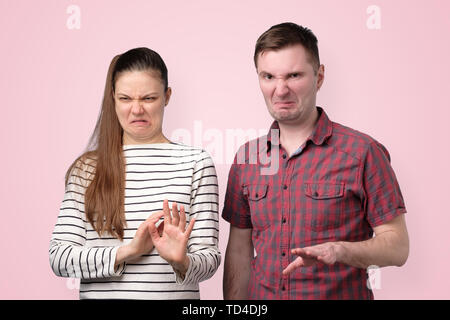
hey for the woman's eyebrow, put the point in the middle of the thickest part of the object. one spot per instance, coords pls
(144, 95)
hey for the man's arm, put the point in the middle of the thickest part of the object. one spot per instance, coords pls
(238, 257)
(389, 247)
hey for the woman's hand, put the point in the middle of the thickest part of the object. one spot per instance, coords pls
(171, 245)
(141, 243)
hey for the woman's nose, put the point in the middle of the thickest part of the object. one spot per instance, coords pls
(137, 107)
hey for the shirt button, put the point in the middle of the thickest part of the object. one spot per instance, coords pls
(256, 195)
(283, 288)
(285, 187)
(284, 220)
(283, 254)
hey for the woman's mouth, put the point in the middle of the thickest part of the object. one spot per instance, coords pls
(139, 122)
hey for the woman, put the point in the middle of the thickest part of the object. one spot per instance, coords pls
(107, 233)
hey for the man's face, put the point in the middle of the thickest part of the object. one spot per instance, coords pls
(289, 83)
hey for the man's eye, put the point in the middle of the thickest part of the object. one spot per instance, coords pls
(294, 75)
(268, 76)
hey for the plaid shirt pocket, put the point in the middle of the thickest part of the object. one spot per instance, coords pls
(324, 205)
(257, 195)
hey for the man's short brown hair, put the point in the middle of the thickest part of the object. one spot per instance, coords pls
(287, 34)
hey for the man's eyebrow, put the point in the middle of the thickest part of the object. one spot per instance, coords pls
(284, 75)
(264, 73)
(295, 72)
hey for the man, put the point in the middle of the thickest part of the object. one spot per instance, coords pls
(311, 222)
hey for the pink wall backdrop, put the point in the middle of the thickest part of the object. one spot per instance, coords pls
(386, 74)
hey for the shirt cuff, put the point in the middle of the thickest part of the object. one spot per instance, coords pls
(382, 219)
(179, 279)
(115, 272)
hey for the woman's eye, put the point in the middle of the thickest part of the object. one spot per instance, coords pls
(123, 99)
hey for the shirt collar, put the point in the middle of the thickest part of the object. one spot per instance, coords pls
(322, 130)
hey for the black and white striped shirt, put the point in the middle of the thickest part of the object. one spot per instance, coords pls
(154, 172)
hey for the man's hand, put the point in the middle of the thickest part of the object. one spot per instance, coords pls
(322, 253)
(389, 247)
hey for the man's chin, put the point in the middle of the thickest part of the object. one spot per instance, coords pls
(285, 117)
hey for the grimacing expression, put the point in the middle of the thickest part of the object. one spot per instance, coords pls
(289, 83)
(140, 99)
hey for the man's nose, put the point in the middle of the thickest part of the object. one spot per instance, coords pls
(281, 88)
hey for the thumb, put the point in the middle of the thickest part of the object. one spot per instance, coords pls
(298, 262)
(153, 232)
(190, 227)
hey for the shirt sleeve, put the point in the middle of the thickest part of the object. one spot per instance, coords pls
(236, 209)
(383, 198)
(69, 254)
(202, 249)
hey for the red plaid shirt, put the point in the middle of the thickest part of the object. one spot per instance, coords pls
(338, 186)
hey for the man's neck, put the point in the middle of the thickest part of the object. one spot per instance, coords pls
(292, 136)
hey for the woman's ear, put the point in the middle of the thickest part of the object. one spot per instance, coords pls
(167, 95)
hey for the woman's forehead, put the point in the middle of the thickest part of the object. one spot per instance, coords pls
(139, 80)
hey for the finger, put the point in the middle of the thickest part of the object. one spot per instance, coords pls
(190, 227)
(182, 224)
(313, 252)
(307, 252)
(298, 262)
(175, 215)
(298, 251)
(155, 216)
(166, 210)
(301, 252)
(153, 232)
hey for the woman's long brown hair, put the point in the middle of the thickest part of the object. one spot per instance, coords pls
(105, 195)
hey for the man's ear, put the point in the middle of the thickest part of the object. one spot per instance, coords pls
(320, 76)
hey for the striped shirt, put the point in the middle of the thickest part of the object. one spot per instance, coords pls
(154, 172)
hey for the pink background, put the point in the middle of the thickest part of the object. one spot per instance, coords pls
(391, 83)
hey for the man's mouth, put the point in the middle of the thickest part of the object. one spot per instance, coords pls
(281, 104)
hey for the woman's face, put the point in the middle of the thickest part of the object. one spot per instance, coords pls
(140, 100)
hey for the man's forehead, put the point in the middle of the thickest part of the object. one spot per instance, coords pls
(283, 63)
